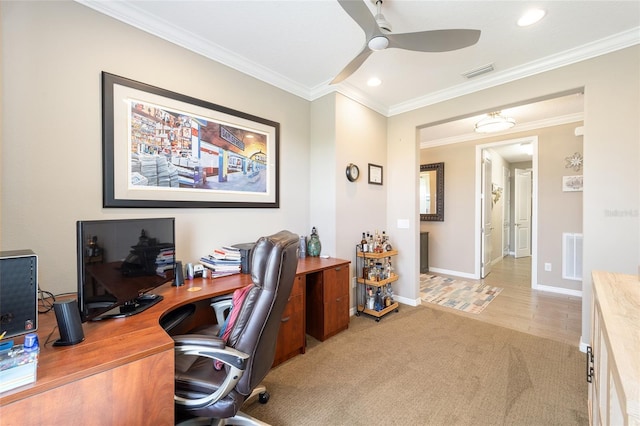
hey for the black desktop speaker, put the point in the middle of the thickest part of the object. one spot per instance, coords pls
(179, 275)
(18, 292)
(69, 323)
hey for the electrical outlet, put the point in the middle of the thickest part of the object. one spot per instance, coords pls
(354, 282)
(547, 267)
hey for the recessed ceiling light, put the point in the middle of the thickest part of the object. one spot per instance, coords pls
(374, 81)
(531, 17)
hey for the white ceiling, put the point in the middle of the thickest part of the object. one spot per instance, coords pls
(300, 46)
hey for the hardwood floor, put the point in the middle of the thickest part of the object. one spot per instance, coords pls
(518, 307)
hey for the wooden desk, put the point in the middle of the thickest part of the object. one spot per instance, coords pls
(122, 373)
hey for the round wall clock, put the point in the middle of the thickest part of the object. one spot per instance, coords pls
(352, 172)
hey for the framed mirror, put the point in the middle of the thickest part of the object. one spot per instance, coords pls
(432, 192)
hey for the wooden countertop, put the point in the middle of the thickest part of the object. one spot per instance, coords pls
(115, 342)
(619, 298)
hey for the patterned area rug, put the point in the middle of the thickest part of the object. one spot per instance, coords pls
(461, 295)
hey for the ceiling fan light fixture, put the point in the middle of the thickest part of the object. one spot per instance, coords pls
(494, 122)
(378, 43)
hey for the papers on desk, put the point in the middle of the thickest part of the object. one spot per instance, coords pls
(223, 261)
(226, 253)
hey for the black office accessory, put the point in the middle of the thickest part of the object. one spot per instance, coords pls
(69, 323)
(18, 292)
(179, 275)
(245, 256)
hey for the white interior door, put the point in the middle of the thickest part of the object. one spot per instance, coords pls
(522, 213)
(506, 211)
(486, 250)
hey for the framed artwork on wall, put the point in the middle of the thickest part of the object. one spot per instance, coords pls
(572, 183)
(165, 149)
(375, 174)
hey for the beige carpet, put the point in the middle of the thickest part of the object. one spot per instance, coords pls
(424, 366)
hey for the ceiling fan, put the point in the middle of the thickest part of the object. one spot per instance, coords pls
(379, 37)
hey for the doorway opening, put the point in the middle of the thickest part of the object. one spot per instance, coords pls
(506, 203)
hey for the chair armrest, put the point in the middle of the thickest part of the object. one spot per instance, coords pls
(210, 347)
(202, 340)
(214, 348)
(221, 304)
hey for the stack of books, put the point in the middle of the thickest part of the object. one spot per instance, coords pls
(165, 260)
(223, 261)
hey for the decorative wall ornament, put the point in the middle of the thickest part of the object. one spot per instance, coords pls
(496, 191)
(574, 162)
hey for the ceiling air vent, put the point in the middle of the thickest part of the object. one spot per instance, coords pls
(478, 71)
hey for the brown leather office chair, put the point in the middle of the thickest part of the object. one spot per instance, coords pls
(204, 392)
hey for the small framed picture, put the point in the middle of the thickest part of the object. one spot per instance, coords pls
(375, 174)
(571, 183)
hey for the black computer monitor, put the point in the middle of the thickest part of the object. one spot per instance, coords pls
(120, 262)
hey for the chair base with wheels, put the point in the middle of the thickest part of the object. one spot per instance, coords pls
(241, 419)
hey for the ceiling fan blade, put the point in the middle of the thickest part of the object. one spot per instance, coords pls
(434, 41)
(353, 65)
(360, 13)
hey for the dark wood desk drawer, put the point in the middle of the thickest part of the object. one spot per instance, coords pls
(291, 337)
(327, 304)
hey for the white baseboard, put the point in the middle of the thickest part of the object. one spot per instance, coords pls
(407, 301)
(453, 273)
(540, 287)
(558, 290)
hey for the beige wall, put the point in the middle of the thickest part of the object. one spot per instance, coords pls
(558, 211)
(451, 243)
(53, 54)
(343, 132)
(612, 106)
(360, 206)
(452, 250)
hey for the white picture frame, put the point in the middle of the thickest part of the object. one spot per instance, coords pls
(572, 183)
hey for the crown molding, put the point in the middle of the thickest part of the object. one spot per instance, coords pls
(591, 50)
(130, 14)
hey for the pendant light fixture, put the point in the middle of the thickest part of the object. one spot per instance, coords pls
(494, 122)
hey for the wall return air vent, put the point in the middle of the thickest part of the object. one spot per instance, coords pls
(572, 256)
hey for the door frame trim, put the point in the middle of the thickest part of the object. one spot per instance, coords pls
(534, 204)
